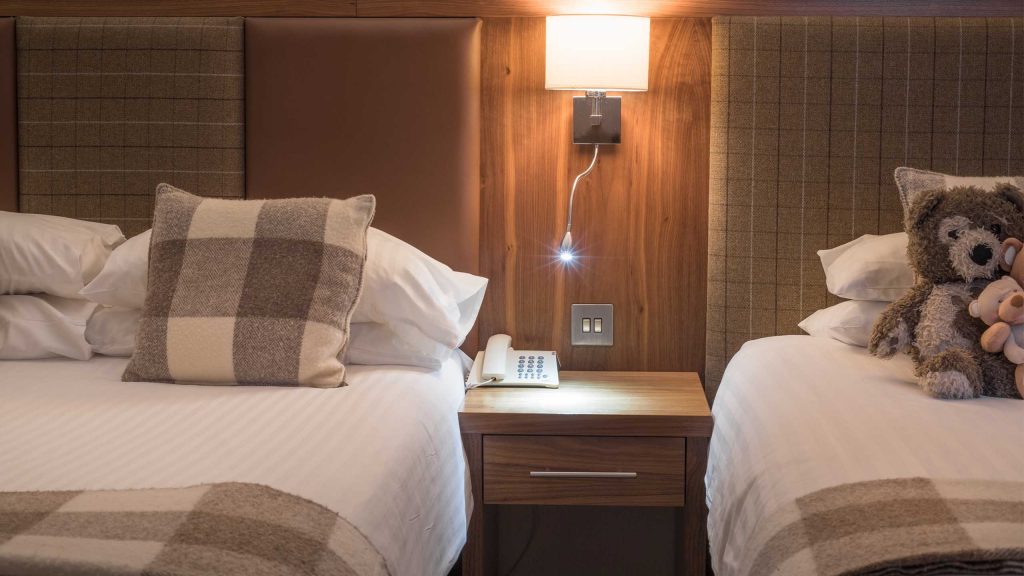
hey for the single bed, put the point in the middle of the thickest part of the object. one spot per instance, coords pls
(798, 414)
(825, 460)
(383, 452)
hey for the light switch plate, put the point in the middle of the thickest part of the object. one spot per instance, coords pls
(602, 315)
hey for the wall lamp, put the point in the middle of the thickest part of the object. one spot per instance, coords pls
(595, 54)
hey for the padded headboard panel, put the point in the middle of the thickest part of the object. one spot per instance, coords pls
(810, 116)
(8, 119)
(110, 107)
(338, 107)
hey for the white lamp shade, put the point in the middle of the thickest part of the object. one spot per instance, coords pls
(609, 53)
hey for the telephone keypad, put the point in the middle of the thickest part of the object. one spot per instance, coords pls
(531, 367)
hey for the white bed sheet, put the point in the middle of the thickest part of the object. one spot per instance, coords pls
(796, 414)
(384, 452)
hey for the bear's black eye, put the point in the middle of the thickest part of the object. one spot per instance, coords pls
(996, 229)
(954, 234)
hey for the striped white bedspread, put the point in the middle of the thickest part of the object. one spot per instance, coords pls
(797, 414)
(384, 453)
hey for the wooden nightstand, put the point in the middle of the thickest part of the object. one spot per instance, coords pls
(601, 438)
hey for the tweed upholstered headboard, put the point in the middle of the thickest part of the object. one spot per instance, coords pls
(810, 116)
(109, 107)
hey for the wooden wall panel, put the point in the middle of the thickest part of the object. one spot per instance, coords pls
(691, 8)
(641, 216)
(490, 8)
(177, 7)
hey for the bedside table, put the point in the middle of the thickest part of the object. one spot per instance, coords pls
(601, 438)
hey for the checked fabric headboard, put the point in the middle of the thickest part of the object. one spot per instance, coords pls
(810, 116)
(110, 107)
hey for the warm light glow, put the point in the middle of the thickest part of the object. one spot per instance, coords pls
(608, 53)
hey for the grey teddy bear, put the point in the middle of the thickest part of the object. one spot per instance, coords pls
(955, 239)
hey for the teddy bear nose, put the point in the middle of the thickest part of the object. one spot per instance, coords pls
(981, 254)
(1017, 301)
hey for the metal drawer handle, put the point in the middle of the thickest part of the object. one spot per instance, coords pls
(582, 474)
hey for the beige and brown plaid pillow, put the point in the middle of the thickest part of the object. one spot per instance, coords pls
(250, 291)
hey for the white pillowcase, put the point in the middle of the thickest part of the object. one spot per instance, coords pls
(374, 344)
(415, 295)
(111, 331)
(44, 326)
(913, 181)
(51, 254)
(869, 268)
(122, 282)
(850, 322)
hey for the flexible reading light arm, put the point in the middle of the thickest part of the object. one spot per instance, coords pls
(565, 250)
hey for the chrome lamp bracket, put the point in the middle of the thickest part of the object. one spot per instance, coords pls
(596, 118)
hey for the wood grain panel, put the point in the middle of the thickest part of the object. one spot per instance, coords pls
(178, 7)
(478, 555)
(690, 8)
(657, 462)
(489, 8)
(593, 403)
(691, 555)
(641, 216)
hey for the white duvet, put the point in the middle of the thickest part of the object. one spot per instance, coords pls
(796, 414)
(384, 452)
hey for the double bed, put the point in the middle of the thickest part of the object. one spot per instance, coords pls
(383, 452)
(282, 108)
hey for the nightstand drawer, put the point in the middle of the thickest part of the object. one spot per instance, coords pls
(584, 470)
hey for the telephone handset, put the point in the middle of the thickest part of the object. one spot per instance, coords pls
(500, 365)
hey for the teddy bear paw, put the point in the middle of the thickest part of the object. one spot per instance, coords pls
(887, 343)
(948, 384)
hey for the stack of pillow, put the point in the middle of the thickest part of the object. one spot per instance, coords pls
(45, 262)
(872, 271)
(73, 288)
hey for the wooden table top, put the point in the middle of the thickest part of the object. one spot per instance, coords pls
(594, 403)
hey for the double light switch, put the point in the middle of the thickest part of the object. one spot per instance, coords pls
(593, 325)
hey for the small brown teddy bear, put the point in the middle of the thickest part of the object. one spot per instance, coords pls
(1001, 307)
(955, 236)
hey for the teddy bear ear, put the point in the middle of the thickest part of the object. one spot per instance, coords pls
(1010, 193)
(975, 309)
(923, 207)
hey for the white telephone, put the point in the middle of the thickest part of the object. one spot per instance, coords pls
(500, 365)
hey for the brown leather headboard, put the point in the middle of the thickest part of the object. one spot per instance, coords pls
(8, 119)
(339, 107)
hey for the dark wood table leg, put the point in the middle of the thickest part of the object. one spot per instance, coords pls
(473, 555)
(691, 520)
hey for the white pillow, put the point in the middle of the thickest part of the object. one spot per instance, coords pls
(111, 331)
(51, 254)
(414, 294)
(912, 181)
(869, 268)
(44, 326)
(850, 322)
(373, 343)
(122, 282)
